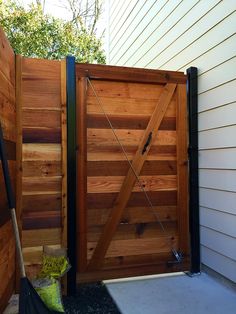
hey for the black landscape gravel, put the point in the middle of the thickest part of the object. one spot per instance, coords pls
(91, 298)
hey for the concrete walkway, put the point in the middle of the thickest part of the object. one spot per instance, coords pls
(175, 294)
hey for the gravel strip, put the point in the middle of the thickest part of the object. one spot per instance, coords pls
(91, 298)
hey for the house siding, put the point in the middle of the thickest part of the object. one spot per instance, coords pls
(174, 35)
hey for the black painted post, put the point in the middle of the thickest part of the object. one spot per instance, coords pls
(192, 96)
(71, 171)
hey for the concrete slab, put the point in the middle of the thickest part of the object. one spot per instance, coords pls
(173, 294)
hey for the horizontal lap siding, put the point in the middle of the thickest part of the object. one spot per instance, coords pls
(174, 35)
(8, 122)
(41, 157)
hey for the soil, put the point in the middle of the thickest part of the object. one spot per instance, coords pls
(91, 298)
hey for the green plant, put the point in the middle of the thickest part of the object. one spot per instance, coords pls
(35, 34)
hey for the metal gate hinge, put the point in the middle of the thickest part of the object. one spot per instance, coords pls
(192, 149)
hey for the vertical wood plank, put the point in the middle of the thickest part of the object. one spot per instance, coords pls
(81, 135)
(64, 163)
(18, 152)
(182, 169)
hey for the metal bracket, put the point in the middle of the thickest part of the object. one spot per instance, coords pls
(178, 256)
(190, 274)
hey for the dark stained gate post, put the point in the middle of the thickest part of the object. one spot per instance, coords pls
(71, 171)
(192, 97)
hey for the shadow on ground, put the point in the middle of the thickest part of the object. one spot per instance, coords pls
(91, 298)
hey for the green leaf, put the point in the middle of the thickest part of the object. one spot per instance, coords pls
(34, 34)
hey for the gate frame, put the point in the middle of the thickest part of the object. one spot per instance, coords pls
(192, 103)
(71, 165)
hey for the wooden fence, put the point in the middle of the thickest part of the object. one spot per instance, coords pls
(41, 200)
(8, 121)
(130, 98)
(120, 233)
(115, 232)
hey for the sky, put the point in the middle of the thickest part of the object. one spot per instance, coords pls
(54, 7)
(57, 9)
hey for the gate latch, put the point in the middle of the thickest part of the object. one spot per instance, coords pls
(147, 143)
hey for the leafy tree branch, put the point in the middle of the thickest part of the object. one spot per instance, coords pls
(35, 34)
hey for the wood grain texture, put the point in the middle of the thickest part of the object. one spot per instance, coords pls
(131, 271)
(8, 125)
(33, 259)
(41, 152)
(107, 200)
(41, 168)
(110, 184)
(41, 125)
(128, 74)
(7, 59)
(127, 106)
(133, 215)
(8, 122)
(123, 262)
(7, 88)
(126, 231)
(44, 202)
(133, 122)
(136, 246)
(41, 135)
(182, 169)
(41, 118)
(41, 157)
(41, 84)
(41, 220)
(114, 90)
(105, 137)
(142, 261)
(130, 106)
(40, 237)
(18, 154)
(120, 168)
(129, 181)
(41, 185)
(114, 153)
(7, 263)
(81, 201)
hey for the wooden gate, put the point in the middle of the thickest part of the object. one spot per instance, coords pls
(131, 123)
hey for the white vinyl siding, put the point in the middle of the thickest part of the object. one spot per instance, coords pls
(174, 35)
(217, 158)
